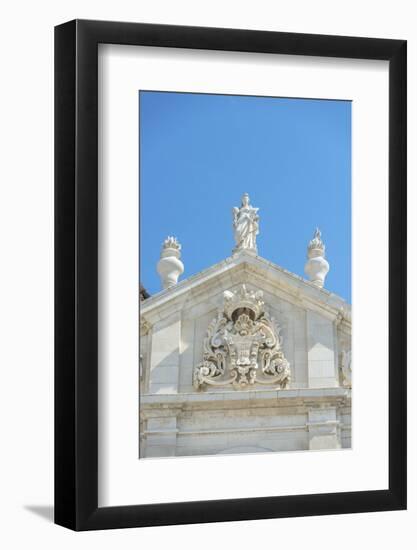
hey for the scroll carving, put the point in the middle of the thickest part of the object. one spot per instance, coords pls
(242, 346)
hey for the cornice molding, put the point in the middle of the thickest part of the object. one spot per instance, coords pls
(302, 292)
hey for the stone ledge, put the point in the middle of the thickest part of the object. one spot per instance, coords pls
(252, 399)
(299, 285)
(262, 429)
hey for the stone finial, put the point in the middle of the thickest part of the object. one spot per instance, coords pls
(170, 266)
(317, 266)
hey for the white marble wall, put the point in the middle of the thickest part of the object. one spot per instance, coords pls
(308, 340)
(322, 358)
(230, 431)
(165, 355)
(173, 346)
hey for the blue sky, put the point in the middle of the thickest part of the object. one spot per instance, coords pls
(199, 153)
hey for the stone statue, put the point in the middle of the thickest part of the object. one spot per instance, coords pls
(245, 225)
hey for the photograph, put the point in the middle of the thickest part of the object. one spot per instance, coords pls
(200, 201)
(244, 275)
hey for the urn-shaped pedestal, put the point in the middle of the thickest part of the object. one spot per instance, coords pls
(317, 267)
(170, 266)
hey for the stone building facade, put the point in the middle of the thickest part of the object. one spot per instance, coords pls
(244, 357)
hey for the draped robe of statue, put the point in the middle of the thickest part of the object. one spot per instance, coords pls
(245, 225)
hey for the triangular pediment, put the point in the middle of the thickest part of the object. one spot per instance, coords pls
(254, 271)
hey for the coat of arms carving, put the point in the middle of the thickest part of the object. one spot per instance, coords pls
(242, 346)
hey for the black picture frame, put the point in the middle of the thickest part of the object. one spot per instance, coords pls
(76, 273)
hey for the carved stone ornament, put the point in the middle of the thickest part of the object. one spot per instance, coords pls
(145, 325)
(346, 368)
(242, 346)
(317, 267)
(245, 226)
(170, 266)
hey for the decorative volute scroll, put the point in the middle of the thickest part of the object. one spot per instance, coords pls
(242, 346)
(145, 325)
(346, 368)
(343, 323)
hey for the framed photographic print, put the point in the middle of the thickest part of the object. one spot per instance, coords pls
(230, 275)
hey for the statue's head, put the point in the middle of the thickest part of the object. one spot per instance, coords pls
(245, 199)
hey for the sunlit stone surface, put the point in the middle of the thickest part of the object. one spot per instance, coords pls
(244, 357)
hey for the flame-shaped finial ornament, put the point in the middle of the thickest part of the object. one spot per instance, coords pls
(317, 267)
(170, 266)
